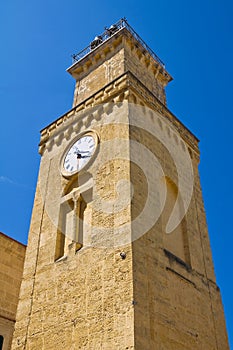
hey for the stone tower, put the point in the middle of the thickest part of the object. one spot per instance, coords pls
(118, 253)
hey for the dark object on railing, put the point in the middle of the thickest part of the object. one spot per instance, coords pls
(109, 32)
(96, 42)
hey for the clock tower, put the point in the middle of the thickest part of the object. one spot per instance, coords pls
(118, 252)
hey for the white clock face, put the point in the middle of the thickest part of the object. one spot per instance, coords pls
(79, 154)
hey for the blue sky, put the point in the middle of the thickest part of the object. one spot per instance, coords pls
(193, 38)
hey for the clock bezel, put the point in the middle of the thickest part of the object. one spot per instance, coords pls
(91, 133)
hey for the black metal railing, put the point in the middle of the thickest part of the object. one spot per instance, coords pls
(108, 33)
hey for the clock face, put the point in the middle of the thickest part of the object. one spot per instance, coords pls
(79, 154)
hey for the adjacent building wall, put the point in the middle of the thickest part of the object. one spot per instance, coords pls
(12, 255)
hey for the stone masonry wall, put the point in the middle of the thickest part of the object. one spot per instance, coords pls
(84, 300)
(11, 268)
(177, 302)
(101, 72)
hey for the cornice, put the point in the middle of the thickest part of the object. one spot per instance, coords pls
(113, 92)
(125, 87)
(121, 39)
(143, 93)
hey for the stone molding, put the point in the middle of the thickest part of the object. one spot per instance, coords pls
(122, 39)
(124, 88)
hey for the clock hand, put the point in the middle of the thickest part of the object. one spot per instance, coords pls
(77, 151)
(79, 156)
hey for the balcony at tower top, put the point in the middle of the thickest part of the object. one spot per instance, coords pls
(109, 33)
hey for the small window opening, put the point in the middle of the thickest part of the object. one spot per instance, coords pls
(1, 342)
